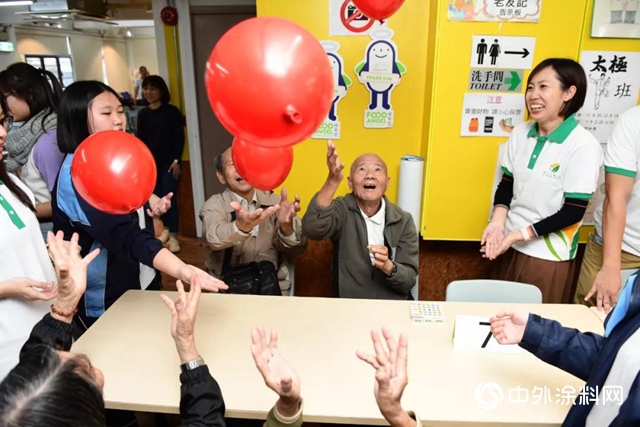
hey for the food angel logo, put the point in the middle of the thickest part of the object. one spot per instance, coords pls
(380, 72)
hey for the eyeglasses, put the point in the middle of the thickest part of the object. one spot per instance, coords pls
(7, 122)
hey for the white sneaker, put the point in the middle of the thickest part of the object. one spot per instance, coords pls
(164, 236)
(174, 246)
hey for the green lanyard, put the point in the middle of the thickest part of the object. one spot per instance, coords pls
(11, 212)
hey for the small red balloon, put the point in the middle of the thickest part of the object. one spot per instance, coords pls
(114, 172)
(378, 9)
(269, 82)
(263, 168)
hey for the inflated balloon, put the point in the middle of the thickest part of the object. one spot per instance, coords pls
(269, 82)
(264, 168)
(114, 172)
(378, 9)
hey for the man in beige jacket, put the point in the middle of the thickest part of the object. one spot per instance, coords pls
(254, 225)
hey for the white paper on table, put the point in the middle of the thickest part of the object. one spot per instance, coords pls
(474, 333)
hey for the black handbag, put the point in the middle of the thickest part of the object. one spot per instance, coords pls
(252, 278)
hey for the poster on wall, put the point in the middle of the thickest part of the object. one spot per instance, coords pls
(613, 86)
(380, 72)
(330, 129)
(616, 18)
(346, 20)
(491, 115)
(494, 10)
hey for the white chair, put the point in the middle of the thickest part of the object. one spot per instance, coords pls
(492, 291)
(415, 290)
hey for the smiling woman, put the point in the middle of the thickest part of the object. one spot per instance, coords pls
(160, 127)
(550, 172)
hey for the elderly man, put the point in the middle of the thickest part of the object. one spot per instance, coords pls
(244, 225)
(375, 243)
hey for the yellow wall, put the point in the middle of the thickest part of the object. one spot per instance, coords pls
(459, 177)
(410, 25)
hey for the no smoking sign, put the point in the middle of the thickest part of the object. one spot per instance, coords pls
(346, 20)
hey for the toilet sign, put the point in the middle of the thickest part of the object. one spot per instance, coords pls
(495, 80)
(346, 20)
(502, 52)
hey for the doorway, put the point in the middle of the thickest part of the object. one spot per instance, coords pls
(208, 24)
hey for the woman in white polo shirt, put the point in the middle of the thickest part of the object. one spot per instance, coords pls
(550, 171)
(26, 273)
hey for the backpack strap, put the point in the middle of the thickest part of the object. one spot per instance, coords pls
(228, 252)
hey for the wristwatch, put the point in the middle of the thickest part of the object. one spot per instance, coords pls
(192, 364)
(394, 271)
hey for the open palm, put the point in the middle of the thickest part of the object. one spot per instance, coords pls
(277, 373)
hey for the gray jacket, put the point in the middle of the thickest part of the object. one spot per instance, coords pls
(352, 274)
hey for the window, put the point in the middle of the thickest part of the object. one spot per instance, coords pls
(59, 65)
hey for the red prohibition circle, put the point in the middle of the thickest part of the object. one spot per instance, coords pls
(348, 22)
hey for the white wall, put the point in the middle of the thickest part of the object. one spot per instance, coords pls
(41, 43)
(122, 56)
(115, 59)
(143, 52)
(8, 58)
(86, 54)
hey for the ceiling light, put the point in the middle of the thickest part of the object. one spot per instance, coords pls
(16, 2)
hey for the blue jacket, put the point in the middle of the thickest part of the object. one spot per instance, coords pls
(123, 245)
(588, 356)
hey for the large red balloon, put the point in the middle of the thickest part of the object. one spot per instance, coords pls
(263, 168)
(114, 172)
(269, 82)
(378, 9)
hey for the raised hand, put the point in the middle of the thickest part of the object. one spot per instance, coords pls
(288, 211)
(333, 163)
(245, 220)
(391, 375)
(160, 206)
(183, 318)
(278, 375)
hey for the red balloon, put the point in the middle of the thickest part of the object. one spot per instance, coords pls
(114, 172)
(378, 9)
(263, 168)
(269, 82)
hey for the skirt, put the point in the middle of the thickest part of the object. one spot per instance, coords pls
(553, 278)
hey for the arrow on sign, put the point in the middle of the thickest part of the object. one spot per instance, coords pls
(514, 81)
(524, 52)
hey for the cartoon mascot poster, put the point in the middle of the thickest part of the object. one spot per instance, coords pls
(380, 72)
(330, 129)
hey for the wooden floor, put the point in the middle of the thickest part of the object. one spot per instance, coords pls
(193, 251)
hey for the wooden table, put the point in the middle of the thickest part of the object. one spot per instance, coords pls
(132, 345)
(600, 314)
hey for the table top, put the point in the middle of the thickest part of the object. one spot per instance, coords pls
(319, 337)
(599, 313)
